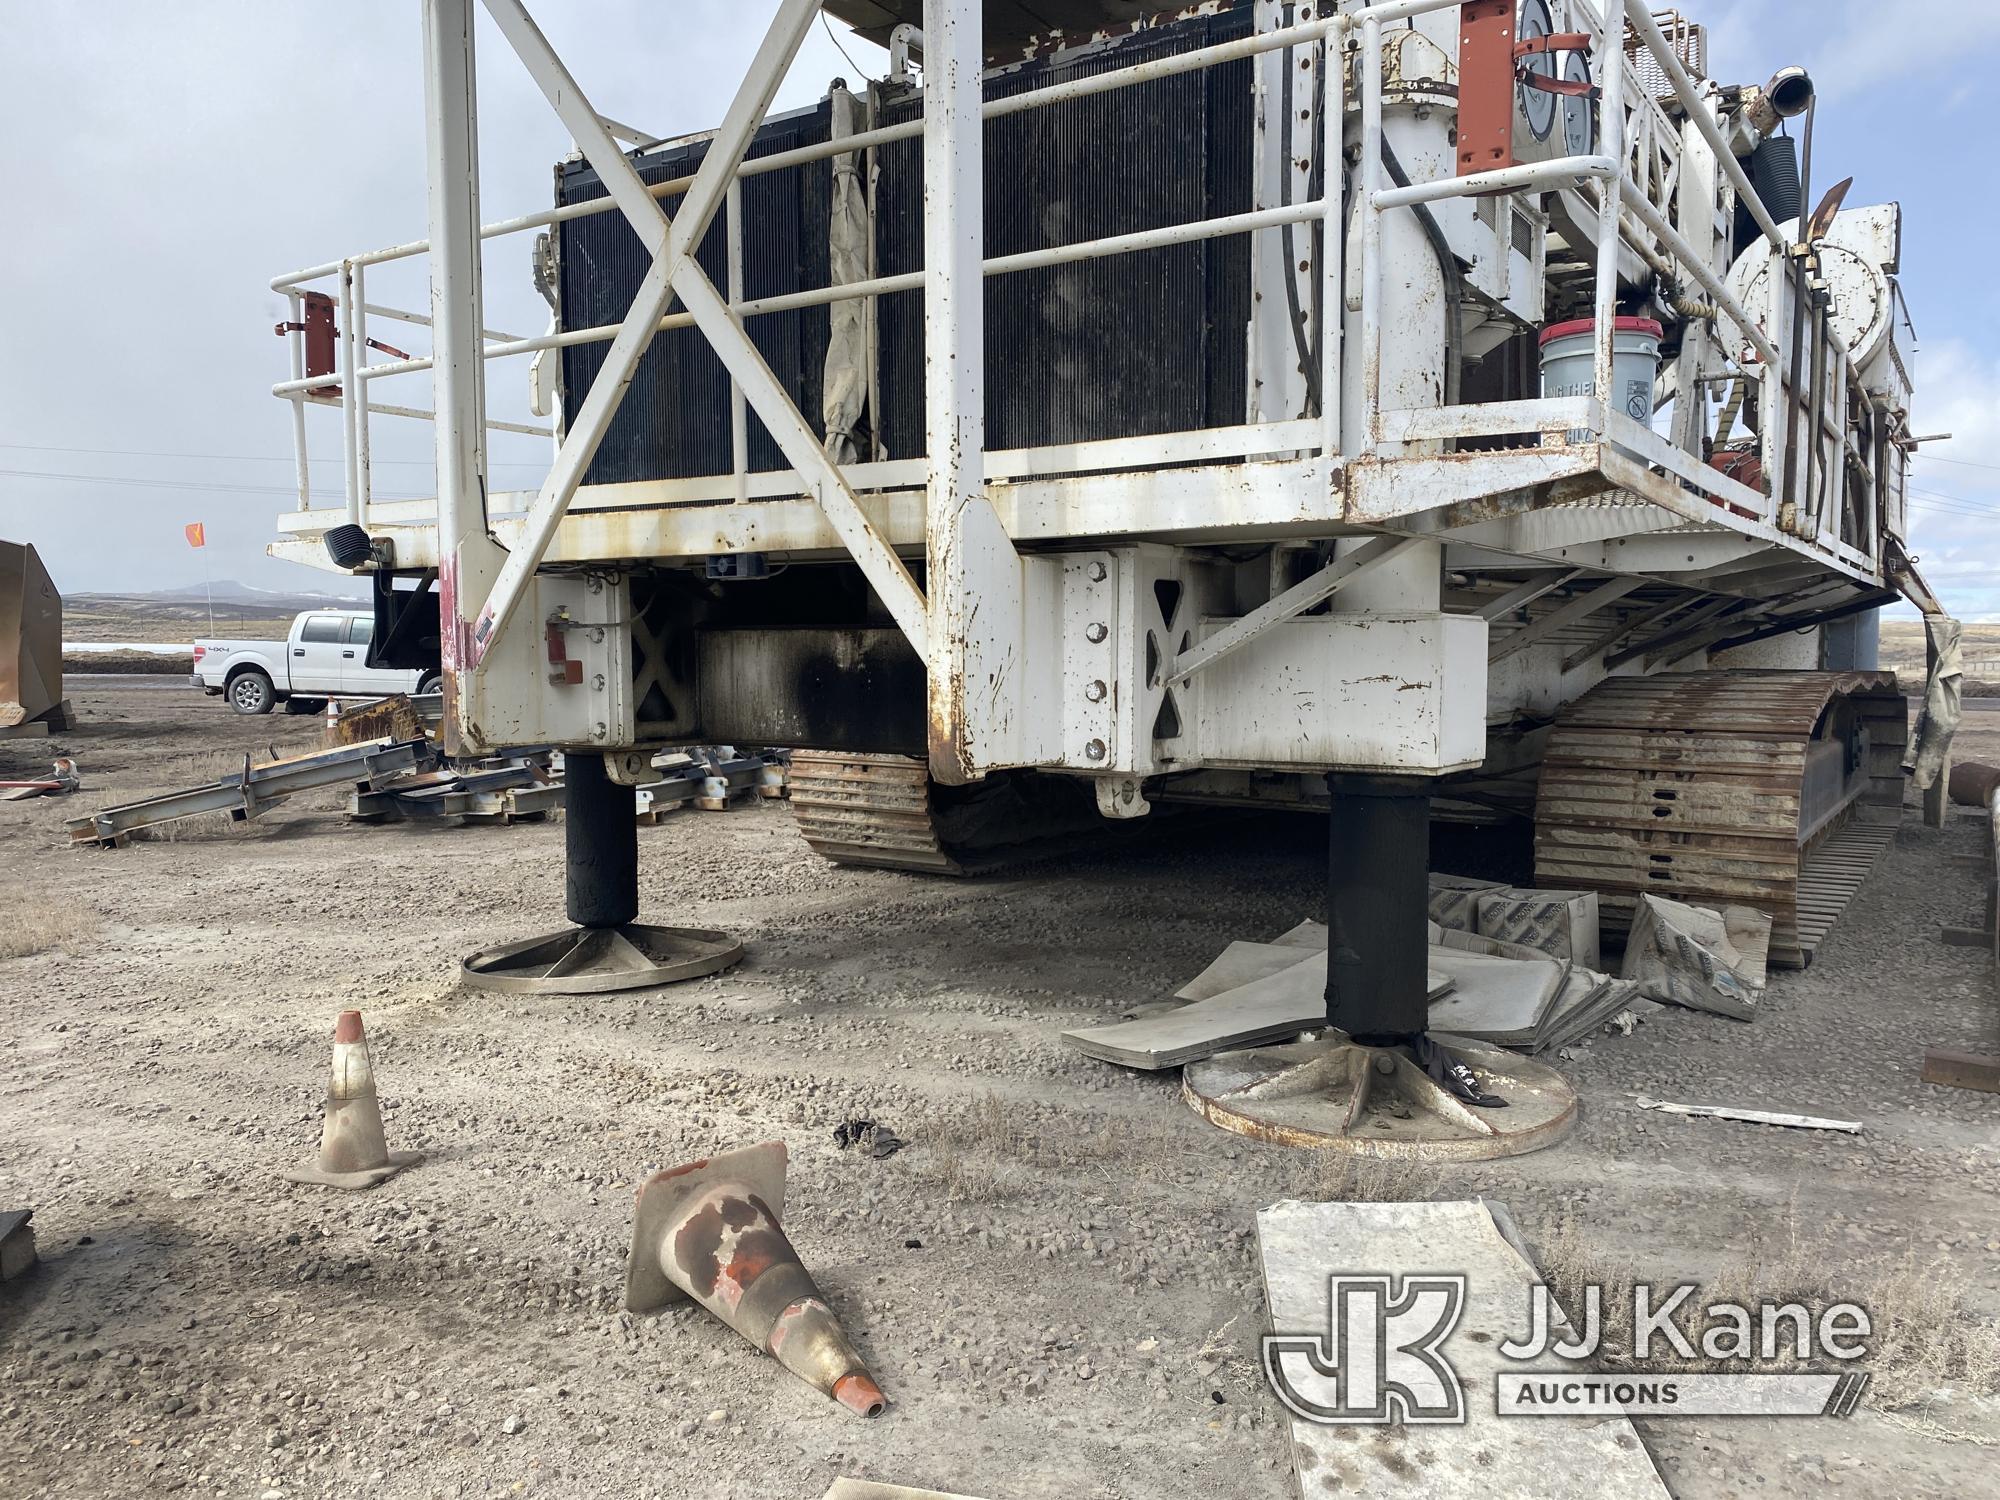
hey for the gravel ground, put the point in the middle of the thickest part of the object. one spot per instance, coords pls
(1054, 1281)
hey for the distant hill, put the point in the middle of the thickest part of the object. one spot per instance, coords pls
(231, 592)
(240, 611)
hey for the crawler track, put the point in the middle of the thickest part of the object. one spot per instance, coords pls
(1758, 789)
(885, 810)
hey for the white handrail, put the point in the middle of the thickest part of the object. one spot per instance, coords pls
(1607, 165)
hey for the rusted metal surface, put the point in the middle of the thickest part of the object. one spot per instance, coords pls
(31, 686)
(394, 718)
(1691, 786)
(712, 1230)
(1485, 85)
(869, 810)
(600, 960)
(1328, 1094)
(1973, 783)
(885, 811)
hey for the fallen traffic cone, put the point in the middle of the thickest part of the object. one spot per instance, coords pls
(710, 1230)
(352, 1151)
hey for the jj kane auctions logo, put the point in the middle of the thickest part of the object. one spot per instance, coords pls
(1382, 1357)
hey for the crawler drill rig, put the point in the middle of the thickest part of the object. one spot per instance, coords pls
(1245, 403)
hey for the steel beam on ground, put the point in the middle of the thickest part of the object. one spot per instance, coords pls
(247, 793)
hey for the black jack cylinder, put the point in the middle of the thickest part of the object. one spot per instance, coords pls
(601, 840)
(1378, 897)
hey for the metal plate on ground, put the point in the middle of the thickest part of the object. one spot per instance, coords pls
(1315, 1093)
(596, 960)
(1301, 1245)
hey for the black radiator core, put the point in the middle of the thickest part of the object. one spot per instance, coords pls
(1131, 345)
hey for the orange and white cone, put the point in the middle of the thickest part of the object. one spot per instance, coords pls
(710, 1230)
(352, 1150)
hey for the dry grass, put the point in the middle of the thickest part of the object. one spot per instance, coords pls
(41, 924)
(1337, 1177)
(1924, 1335)
(990, 1148)
(177, 772)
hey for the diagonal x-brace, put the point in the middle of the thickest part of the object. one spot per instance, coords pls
(675, 273)
(1304, 595)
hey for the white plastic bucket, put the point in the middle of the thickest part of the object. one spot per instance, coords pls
(1569, 364)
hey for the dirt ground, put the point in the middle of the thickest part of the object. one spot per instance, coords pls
(1054, 1281)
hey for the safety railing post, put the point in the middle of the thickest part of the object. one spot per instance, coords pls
(1369, 66)
(352, 395)
(363, 479)
(467, 556)
(1611, 129)
(295, 341)
(1333, 235)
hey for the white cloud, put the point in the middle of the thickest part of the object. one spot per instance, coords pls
(1851, 47)
(1955, 488)
(1864, 44)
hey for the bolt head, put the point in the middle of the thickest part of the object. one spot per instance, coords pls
(1094, 750)
(1095, 692)
(1097, 572)
(1094, 632)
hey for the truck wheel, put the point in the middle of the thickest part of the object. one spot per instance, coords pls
(432, 682)
(250, 692)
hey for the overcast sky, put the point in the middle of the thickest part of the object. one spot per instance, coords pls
(164, 161)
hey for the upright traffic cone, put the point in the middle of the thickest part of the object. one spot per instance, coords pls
(352, 1150)
(710, 1230)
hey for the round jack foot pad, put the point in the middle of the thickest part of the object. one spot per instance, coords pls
(311, 1173)
(1330, 1094)
(596, 960)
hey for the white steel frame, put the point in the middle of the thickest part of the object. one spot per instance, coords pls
(965, 530)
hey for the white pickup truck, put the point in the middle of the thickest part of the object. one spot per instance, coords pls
(324, 656)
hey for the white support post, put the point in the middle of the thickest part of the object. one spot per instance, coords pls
(468, 558)
(672, 244)
(1281, 273)
(364, 481)
(1333, 236)
(297, 348)
(976, 581)
(1611, 54)
(353, 394)
(1369, 67)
